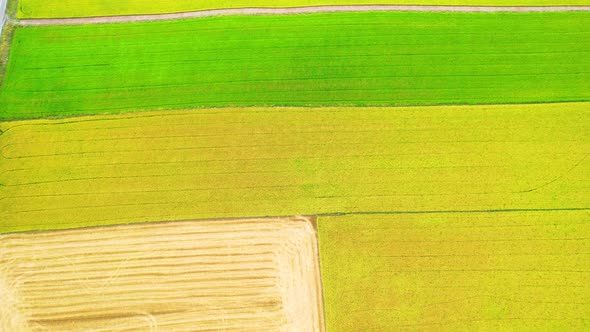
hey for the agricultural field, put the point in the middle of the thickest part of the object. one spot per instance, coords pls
(89, 8)
(343, 59)
(211, 163)
(232, 274)
(351, 171)
(499, 271)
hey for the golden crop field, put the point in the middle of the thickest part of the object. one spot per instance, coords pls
(244, 162)
(504, 271)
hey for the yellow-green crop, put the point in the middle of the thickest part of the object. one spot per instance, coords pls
(88, 8)
(489, 271)
(291, 161)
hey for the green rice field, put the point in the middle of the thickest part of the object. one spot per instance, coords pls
(345, 59)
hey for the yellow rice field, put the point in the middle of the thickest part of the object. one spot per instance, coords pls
(498, 271)
(250, 162)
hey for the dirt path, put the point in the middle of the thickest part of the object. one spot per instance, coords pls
(2, 14)
(298, 10)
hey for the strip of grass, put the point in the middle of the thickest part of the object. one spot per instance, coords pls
(177, 165)
(88, 8)
(448, 272)
(355, 59)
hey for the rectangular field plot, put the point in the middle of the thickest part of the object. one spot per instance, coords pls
(219, 275)
(211, 163)
(339, 59)
(88, 8)
(510, 271)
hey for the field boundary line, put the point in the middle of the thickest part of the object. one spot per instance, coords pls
(297, 10)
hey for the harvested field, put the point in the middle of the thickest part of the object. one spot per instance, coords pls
(86, 8)
(511, 271)
(338, 59)
(219, 275)
(212, 163)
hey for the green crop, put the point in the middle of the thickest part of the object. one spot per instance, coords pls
(344, 59)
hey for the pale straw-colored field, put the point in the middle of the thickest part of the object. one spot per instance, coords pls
(218, 275)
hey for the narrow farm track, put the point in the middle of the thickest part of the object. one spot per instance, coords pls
(296, 10)
(216, 275)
